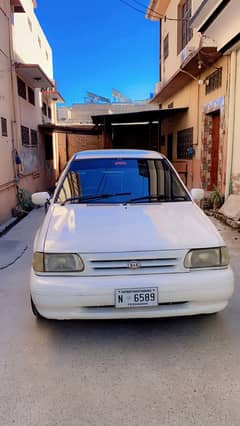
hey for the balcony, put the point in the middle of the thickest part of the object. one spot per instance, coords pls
(189, 70)
(219, 20)
(17, 6)
(33, 75)
(207, 13)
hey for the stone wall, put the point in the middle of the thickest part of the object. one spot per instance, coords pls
(206, 153)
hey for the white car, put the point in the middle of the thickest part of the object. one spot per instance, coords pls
(123, 238)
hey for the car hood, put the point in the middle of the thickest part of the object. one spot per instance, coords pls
(118, 228)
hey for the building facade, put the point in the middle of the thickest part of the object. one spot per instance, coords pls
(220, 21)
(82, 113)
(27, 99)
(194, 74)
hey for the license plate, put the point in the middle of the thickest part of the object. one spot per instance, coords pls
(132, 298)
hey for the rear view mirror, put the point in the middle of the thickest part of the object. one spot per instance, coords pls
(197, 194)
(40, 198)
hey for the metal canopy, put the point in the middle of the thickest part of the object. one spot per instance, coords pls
(137, 117)
(69, 129)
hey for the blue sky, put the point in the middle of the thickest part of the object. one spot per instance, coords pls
(99, 45)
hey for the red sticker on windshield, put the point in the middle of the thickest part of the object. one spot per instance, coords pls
(120, 163)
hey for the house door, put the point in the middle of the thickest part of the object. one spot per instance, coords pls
(215, 150)
(170, 147)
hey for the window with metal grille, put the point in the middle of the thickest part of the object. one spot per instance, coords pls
(44, 108)
(34, 138)
(185, 31)
(25, 135)
(31, 96)
(214, 81)
(4, 126)
(166, 46)
(49, 113)
(21, 88)
(184, 141)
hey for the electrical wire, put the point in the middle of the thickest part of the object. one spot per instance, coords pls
(157, 15)
(132, 7)
(148, 8)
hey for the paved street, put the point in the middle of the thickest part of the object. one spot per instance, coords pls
(141, 372)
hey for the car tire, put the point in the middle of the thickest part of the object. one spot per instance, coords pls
(35, 311)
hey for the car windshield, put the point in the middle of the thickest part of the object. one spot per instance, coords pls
(120, 180)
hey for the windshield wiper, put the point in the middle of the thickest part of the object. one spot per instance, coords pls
(158, 198)
(149, 197)
(93, 197)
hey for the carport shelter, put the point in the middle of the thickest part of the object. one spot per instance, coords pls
(135, 130)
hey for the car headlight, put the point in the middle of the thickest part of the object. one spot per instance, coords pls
(207, 258)
(57, 262)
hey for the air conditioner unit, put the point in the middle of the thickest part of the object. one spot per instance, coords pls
(186, 52)
(208, 42)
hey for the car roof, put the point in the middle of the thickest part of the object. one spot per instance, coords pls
(118, 153)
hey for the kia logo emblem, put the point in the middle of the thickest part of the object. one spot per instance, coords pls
(134, 265)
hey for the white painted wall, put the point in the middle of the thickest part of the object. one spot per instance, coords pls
(29, 41)
(25, 47)
(31, 46)
(6, 164)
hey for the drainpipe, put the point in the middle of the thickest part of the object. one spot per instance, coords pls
(14, 99)
(231, 122)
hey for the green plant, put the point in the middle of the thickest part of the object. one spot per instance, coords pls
(24, 203)
(216, 198)
(24, 199)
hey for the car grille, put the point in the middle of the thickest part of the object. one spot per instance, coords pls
(135, 263)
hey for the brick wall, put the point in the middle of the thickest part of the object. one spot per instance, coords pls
(69, 144)
(84, 142)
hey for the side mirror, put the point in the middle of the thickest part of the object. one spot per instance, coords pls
(197, 194)
(40, 198)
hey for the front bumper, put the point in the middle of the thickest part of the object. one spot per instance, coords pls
(189, 293)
